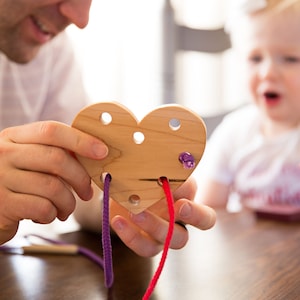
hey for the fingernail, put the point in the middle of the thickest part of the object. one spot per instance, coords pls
(139, 218)
(88, 194)
(118, 225)
(100, 150)
(185, 210)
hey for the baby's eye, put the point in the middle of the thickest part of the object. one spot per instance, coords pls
(291, 59)
(255, 59)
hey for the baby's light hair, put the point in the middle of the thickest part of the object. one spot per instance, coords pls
(278, 6)
(251, 7)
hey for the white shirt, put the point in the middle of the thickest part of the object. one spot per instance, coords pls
(47, 88)
(265, 170)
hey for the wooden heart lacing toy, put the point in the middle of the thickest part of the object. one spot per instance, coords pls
(147, 161)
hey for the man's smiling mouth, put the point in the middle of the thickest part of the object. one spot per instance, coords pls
(42, 27)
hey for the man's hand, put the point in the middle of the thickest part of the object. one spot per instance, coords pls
(38, 172)
(145, 233)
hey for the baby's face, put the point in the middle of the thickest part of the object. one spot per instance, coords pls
(269, 45)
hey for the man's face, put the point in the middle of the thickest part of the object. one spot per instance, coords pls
(25, 25)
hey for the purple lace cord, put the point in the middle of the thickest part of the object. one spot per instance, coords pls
(106, 241)
(105, 263)
(81, 250)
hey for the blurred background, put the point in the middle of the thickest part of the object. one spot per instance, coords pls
(147, 53)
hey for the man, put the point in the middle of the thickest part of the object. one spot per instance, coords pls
(39, 177)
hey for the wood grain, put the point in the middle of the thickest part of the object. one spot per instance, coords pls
(136, 167)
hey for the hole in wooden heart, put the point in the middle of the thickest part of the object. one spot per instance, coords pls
(134, 199)
(138, 137)
(174, 124)
(160, 180)
(105, 118)
(103, 175)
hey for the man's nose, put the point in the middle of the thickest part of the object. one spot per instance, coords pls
(76, 11)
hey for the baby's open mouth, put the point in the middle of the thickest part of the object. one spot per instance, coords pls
(271, 96)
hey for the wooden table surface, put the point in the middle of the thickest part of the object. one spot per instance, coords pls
(240, 258)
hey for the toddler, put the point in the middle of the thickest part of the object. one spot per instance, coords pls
(254, 154)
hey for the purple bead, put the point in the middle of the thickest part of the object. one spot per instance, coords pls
(187, 159)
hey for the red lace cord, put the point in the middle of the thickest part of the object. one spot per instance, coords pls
(169, 196)
(106, 244)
